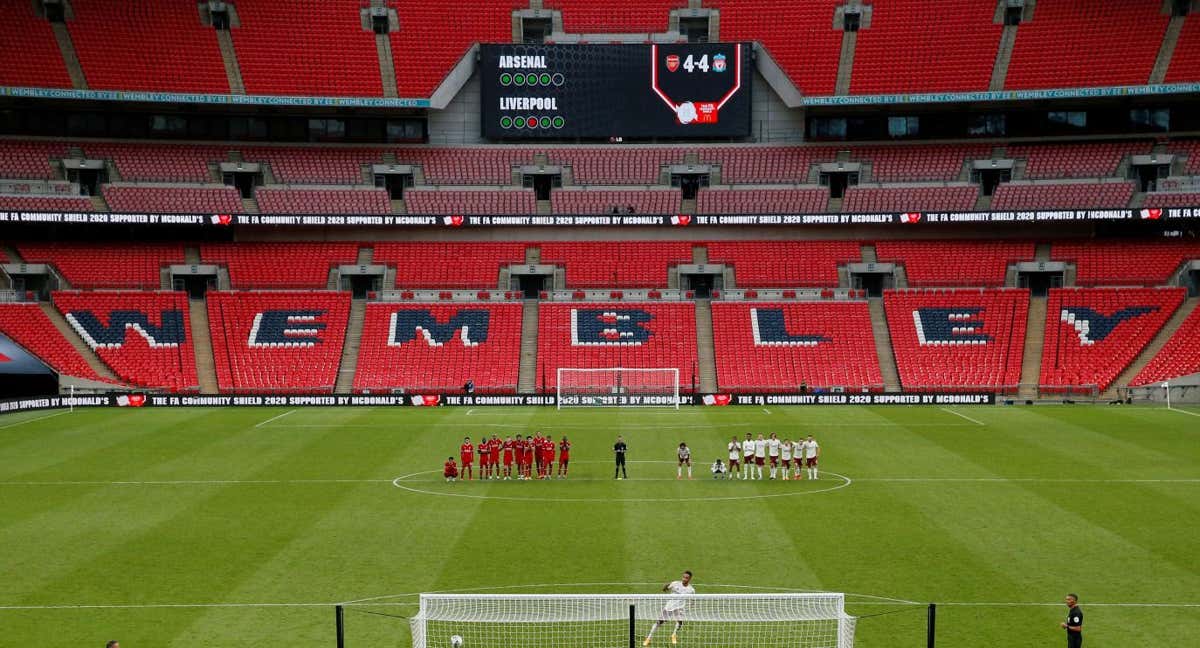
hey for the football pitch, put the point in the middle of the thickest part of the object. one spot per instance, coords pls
(242, 527)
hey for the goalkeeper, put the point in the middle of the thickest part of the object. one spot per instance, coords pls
(673, 610)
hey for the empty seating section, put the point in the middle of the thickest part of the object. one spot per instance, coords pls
(764, 346)
(424, 201)
(1073, 43)
(29, 327)
(159, 162)
(439, 347)
(277, 341)
(172, 199)
(766, 164)
(649, 201)
(1173, 199)
(1190, 148)
(911, 163)
(29, 160)
(1097, 160)
(434, 36)
(279, 265)
(1185, 60)
(616, 165)
(145, 337)
(913, 46)
(106, 265)
(156, 46)
(30, 54)
(910, 199)
(325, 165)
(1179, 357)
(622, 16)
(435, 264)
(617, 264)
(46, 203)
(1092, 334)
(464, 166)
(1084, 195)
(1124, 262)
(951, 340)
(954, 263)
(603, 335)
(799, 36)
(762, 201)
(323, 201)
(762, 264)
(296, 47)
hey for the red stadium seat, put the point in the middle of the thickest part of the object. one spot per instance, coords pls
(323, 201)
(30, 54)
(954, 263)
(1086, 160)
(420, 201)
(106, 265)
(296, 264)
(436, 264)
(764, 264)
(616, 264)
(1180, 356)
(29, 327)
(209, 199)
(762, 201)
(1124, 262)
(647, 201)
(910, 199)
(1185, 61)
(1085, 195)
(46, 203)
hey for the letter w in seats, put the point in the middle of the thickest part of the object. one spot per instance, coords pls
(169, 334)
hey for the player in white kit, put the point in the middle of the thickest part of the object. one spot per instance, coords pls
(798, 455)
(760, 455)
(673, 610)
(685, 458)
(812, 452)
(773, 453)
(748, 457)
(785, 457)
(735, 454)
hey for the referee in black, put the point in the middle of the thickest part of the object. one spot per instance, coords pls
(1074, 623)
(619, 449)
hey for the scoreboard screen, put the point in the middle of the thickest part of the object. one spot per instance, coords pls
(687, 90)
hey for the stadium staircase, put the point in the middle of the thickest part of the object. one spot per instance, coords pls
(354, 330)
(883, 345)
(70, 57)
(1003, 54)
(1167, 50)
(387, 65)
(846, 60)
(705, 350)
(1151, 350)
(527, 378)
(1035, 339)
(233, 71)
(68, 333)
(206, 369)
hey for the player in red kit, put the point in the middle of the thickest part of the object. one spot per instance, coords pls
(530, 449)
(485, 456)
(467, 454)
(564, 457)
(519, 455)
(548, 458)
(538, 455)
(508, 457)
(496, 445)
(449, 470)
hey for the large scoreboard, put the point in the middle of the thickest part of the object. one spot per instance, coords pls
(685, 90)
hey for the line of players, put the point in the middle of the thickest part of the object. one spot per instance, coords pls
(747, 458)
(501, 459)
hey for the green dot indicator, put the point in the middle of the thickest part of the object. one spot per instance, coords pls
(506, 79)
(519, 78)
(519, 122)
(544, 79)
(544, 122)
(559, 122)
(506, 122)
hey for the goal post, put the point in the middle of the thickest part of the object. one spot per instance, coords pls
(624, 620)
(617, 387)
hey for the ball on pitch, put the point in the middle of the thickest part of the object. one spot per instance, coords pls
(456, 641)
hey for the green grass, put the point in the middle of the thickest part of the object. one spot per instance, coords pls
(1001, 520)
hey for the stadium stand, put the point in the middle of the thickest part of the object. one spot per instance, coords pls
(1179, 357)
(278, 341)
(1190, 148)
(213, 199)
(917, 162)
(457, 26)
(1082, 195)
(29, 327)
(435, 264)
(655, 335)
(622, 16)
(1094, 333)
(152, 347)
(1185, 61)
(912, 46)
(766, 164)
(954, 263)
(762, 201)
(158, 162)
(799, 36)
(637, 165)
(648, 201)
(296, 264)
(617, 264)
(954, 340)
(413, 346)
(910, 199)
(1083, 160)
(1124, 262)
(294, 47)
(29, 160)
(46, 203)
(30, 54)
(763, 346)
(471, 201)
(466, 166)
(1171, 199)
(315, 165)
(762, 264)
(155, 46)
(322, 201)
(106, 265)
(1073, 43)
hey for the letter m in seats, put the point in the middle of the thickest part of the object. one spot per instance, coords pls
(470, 325)
(98, 336)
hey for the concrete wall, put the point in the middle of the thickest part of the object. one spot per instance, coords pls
(459, 122)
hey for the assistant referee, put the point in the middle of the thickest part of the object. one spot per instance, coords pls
(619, 450)
(1074, 623)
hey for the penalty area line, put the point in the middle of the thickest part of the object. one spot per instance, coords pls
(36, 418)
(961, 415)
(276, 418)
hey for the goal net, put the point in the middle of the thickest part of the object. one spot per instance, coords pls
(619, 620)
(618, 387)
